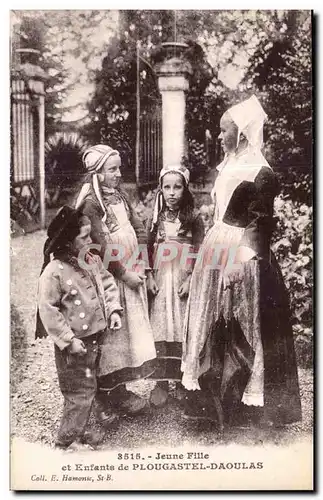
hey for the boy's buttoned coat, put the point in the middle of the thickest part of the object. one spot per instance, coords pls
(74, 301)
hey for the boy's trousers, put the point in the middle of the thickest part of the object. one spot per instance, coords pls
(77, 381)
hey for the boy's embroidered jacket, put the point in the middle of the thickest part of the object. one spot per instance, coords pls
(75, 302)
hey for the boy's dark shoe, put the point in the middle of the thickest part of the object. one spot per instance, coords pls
(107, 418)
(104, 411)
(94, 438)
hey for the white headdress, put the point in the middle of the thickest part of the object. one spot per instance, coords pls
(93, 160)
(159, 201)
(249, 117)
(175, 169)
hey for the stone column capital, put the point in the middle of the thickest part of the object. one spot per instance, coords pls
(174, 66)
(168, 83)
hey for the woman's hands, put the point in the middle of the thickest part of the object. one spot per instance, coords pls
(115, 321)
(184, 288)
(152, 287)
(233, 272)
(133, 279)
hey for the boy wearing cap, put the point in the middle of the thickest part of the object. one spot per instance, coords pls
(77, 301)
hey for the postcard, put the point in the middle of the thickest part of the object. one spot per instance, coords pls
(161, 250)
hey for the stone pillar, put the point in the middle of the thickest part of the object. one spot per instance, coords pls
(173, 83)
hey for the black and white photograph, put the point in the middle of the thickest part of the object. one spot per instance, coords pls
(161, 250)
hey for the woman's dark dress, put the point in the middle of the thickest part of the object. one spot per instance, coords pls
(242, 336)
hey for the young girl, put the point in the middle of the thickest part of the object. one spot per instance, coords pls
(76, 305)
(175, 228)
(130, 355)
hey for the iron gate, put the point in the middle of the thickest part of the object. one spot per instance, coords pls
(24, 127)
(150, 149)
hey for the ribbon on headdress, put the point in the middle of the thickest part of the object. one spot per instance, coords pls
(93, 159)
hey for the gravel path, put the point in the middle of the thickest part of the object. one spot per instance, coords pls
(36, 402)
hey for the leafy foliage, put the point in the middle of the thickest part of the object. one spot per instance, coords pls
(113, 106)
(63, 164)
(196, 160)
(30, 33)
(281, 73)
(69, 51)
(294, 250)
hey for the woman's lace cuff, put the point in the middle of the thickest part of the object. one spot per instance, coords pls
(253, 399)
(190, 384)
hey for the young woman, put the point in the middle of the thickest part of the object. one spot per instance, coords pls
(176, 228)
(238, 334)
(129, 355)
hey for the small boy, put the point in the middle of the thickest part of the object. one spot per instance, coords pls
(76, 305)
